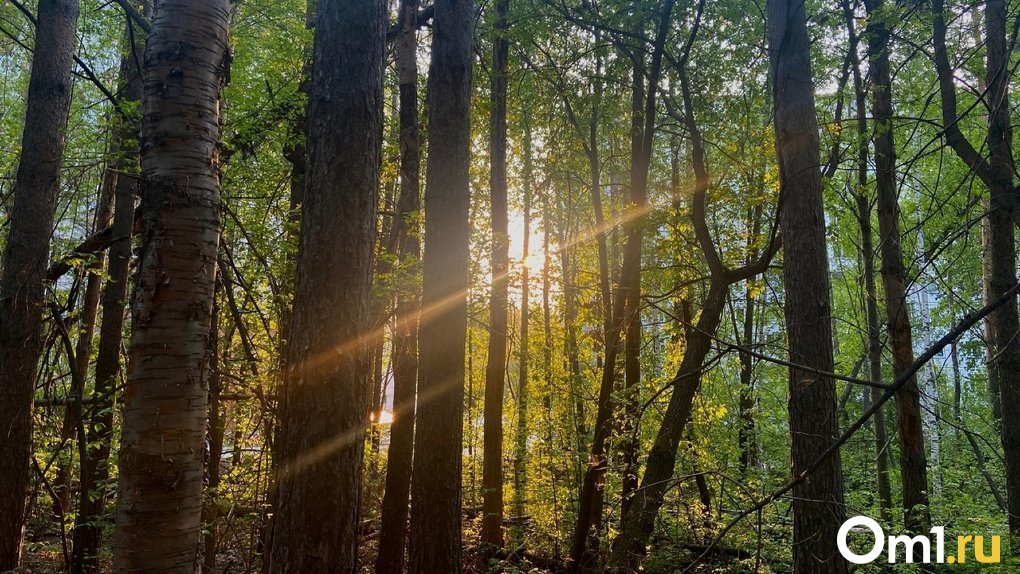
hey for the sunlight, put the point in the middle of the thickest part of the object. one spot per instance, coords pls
(535, 259)
(385, 417)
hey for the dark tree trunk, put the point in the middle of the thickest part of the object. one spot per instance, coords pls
(883, 486)
(296, 153)
(818, 508)
(636, 529)
(988, 332)
(495, 367)
(95, 466)
(523, 392)
(746, 432)
(166, 399)
(1002, 214)
(325, 399)
(435, 544)
(210, 512)
(996, 172)
(913, 466)
(393, 531)
(635, 532)
(589, 506)
(25, 255)
(630, 283)
(590, 503)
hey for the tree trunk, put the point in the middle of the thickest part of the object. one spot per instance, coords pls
(295, 151)
(818, 508)
(636, 530)
(913, 466)
(436, 476)
(930, 389)
(996, 172)
(166, 400)
(495, 367)
(883, 487)
(590, 503)
(95, 467)
(523, 392)
(210, 512)
(1002, 214)
(570, 345)
(316, 524)
(83, 347)
(630, 284)
(22, 292)
(746, 433)
(393, 530)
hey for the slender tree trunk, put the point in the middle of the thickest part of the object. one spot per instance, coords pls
(818, 508)
(316, 524)
(570, 344)
(883, 486)
(913, 466)
(930, 389)
(166, 399)
(495, 368)
(393, 531)
(630, 283)
(95, 472)
(435, 544)
(957, 381)
(24, 259)
(630, 547)
(523, 390)
(636, 528)
(589, 507)
(210, 513)
(590, 496)
(988, 334)
(590, 503)
(549, 376)
(746, 434)
(83, 346)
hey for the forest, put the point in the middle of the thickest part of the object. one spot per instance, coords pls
(509, 286)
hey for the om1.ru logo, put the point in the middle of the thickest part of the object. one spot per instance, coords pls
(910, 544)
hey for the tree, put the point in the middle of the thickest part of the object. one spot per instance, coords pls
(95, 467)
(523, 390)
(436, 471)
(996, 172)
(913, 466)
(863, 205)
(495, 367)
(636, 529)
(818, 508)
(325, 396)
(393, 531)
(624, 318)
(22, 288)
(165, 401)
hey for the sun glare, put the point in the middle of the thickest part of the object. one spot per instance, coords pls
(385, 417)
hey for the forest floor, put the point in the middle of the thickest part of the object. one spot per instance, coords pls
(45, 555)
